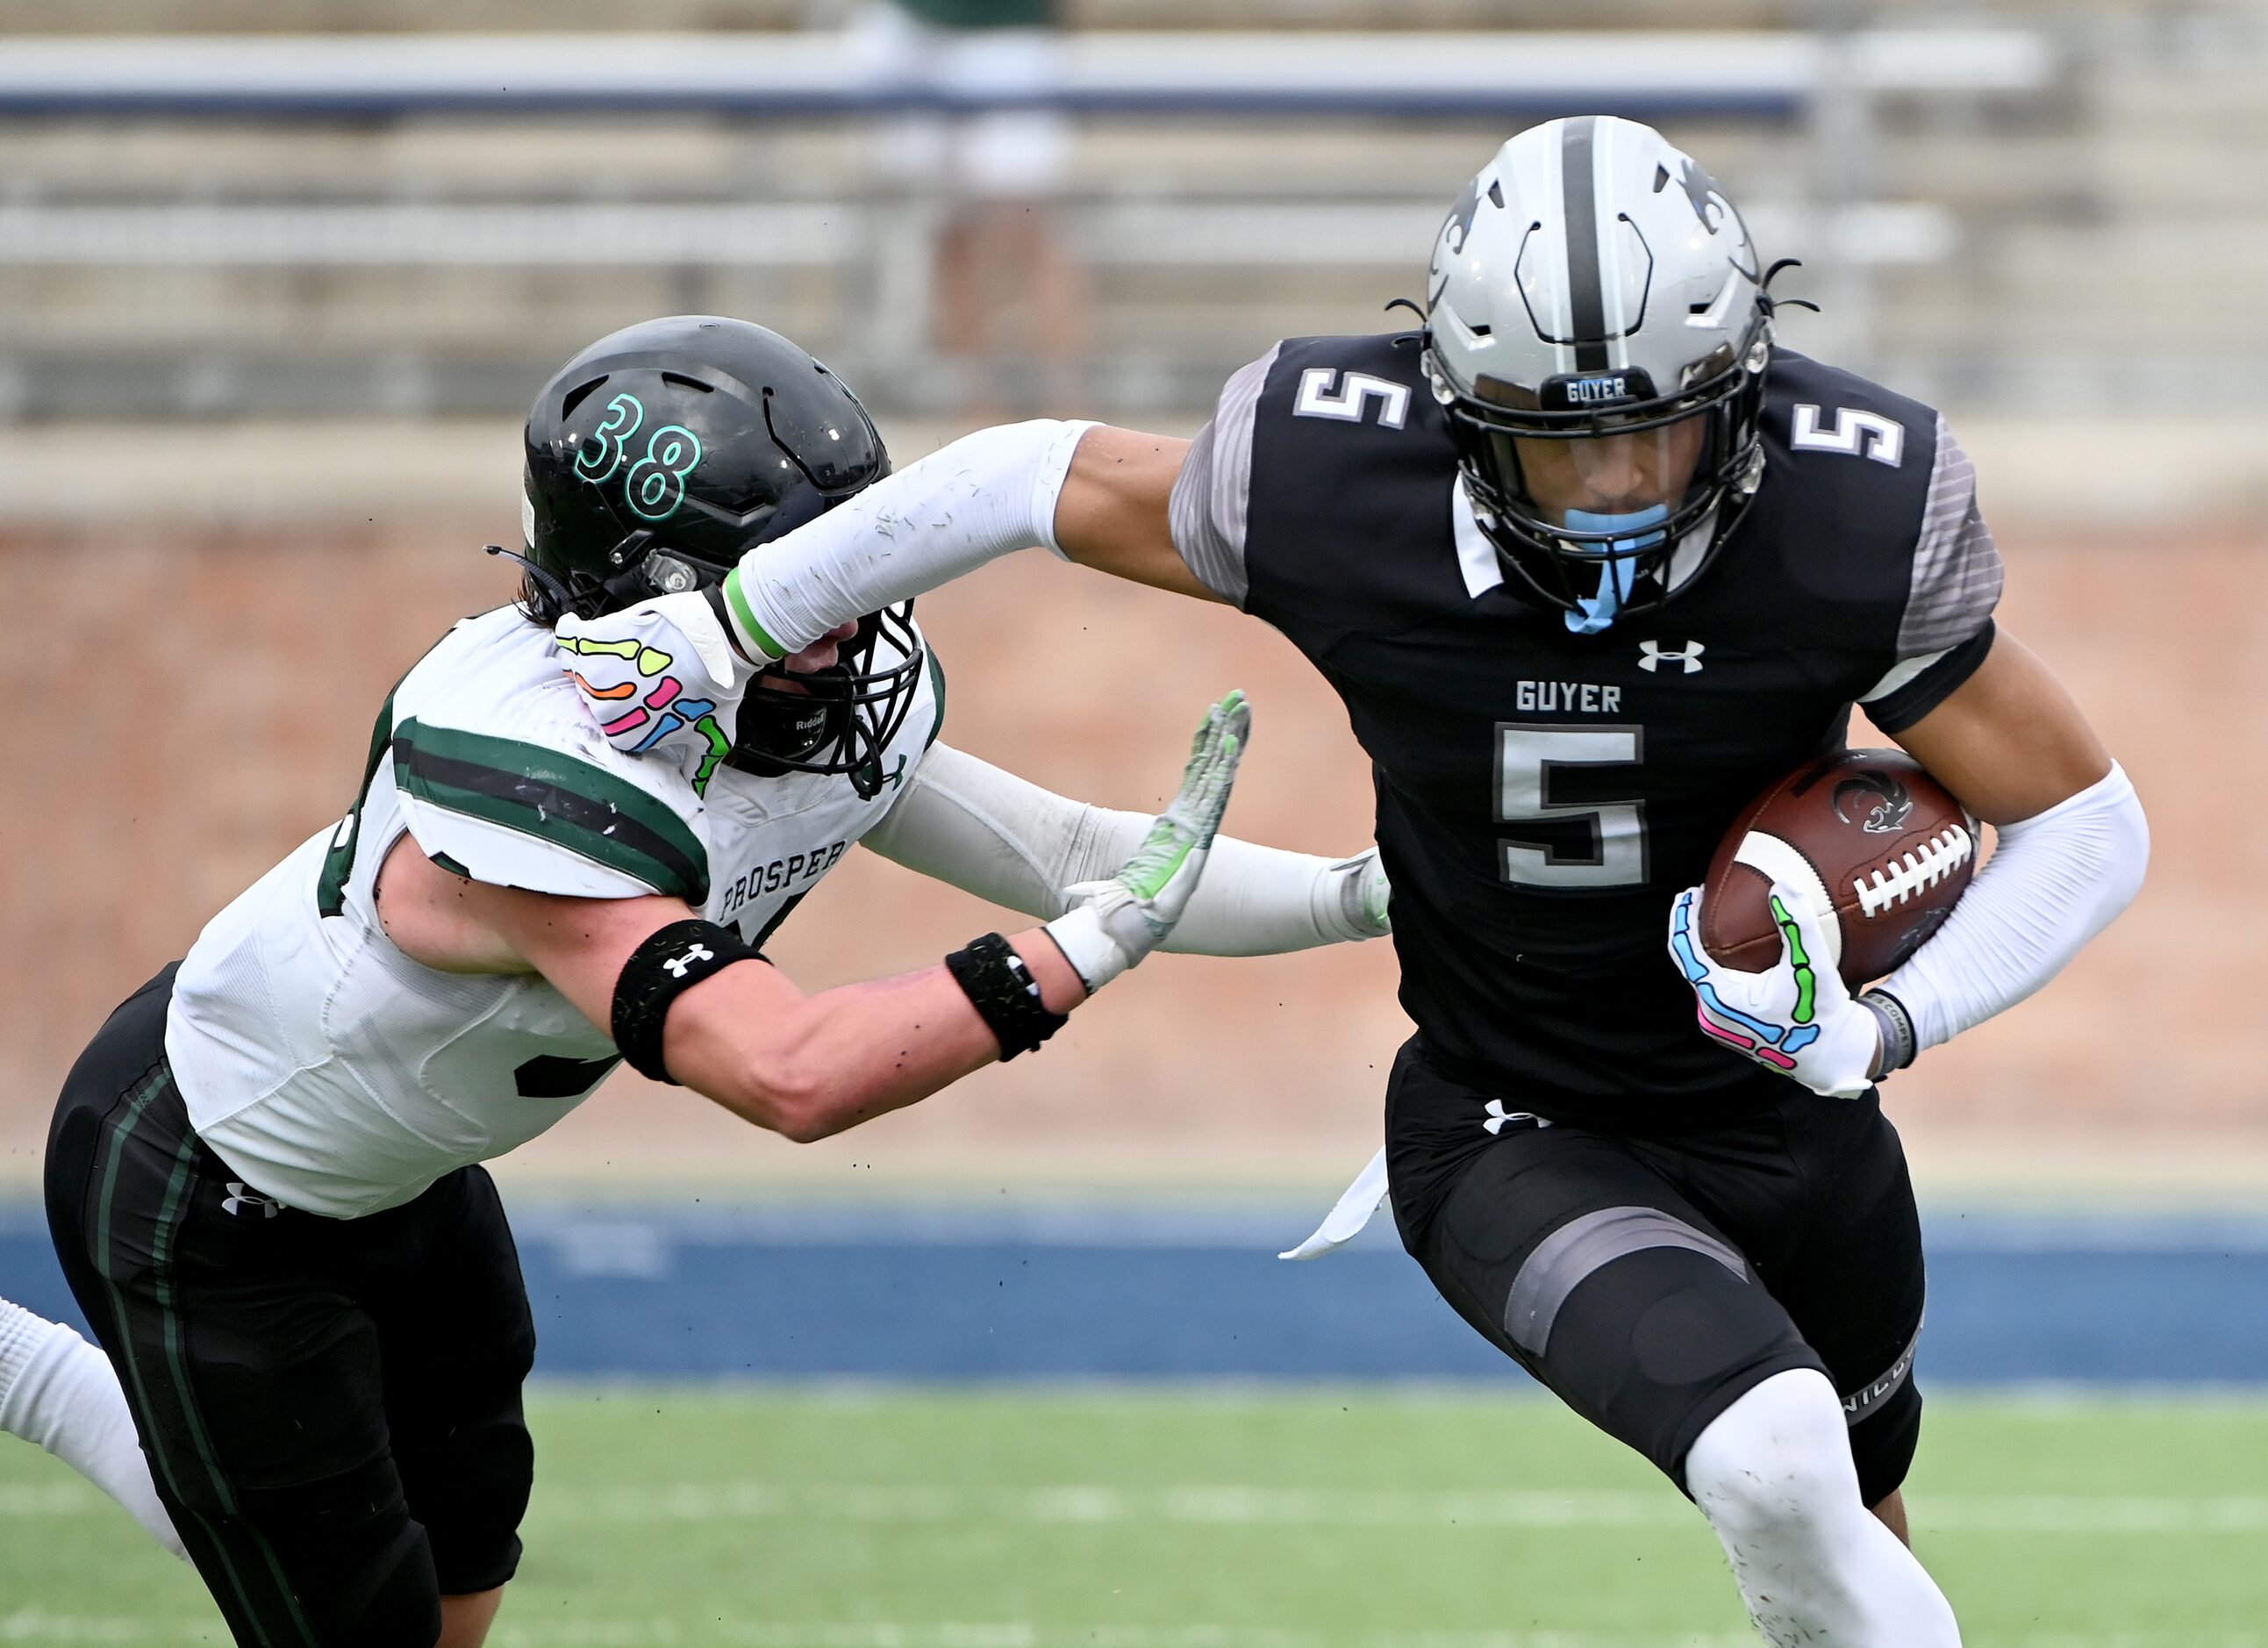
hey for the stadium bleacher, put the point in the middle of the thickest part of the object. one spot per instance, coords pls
(433, 261)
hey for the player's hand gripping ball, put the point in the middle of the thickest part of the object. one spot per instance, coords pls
(1796, 1016)
(1879, 849)
(1830, 879)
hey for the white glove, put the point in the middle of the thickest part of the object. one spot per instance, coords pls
(1114, 924)
(659, 675)
(1798, 1017)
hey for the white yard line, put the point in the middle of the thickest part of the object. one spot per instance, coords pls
(1244, 1506)
(1234, 1505)
(36, 1625)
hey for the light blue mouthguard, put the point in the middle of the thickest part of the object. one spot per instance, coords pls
(1615, 574)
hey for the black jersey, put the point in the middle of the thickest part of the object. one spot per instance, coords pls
(1542, 794)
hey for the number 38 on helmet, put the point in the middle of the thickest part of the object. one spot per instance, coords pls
(661, 455)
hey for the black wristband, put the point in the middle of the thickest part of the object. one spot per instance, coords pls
(1899, 1042)
(670, 962)
(1005, 994)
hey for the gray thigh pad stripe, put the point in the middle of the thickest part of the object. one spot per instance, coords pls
(1563, 1259)
(1864, 1402)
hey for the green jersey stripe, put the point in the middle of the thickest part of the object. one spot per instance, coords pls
(937, 687)
(171, 1216)
(157, 1082)
(554, 798)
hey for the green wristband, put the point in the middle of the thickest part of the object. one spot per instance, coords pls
(753, 636)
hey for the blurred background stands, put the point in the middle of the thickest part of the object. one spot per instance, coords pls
(271, 307)
(1983, 200)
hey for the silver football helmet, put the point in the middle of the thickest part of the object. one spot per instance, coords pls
(1598, 333)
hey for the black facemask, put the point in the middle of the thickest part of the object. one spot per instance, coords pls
(838, 720)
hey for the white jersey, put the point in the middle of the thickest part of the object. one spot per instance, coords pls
(338, 1076)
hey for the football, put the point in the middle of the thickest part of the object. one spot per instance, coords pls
(1878, 846)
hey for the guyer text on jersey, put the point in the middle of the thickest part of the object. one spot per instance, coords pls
(1580, 697)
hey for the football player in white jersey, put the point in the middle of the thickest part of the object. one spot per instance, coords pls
(263, 1179)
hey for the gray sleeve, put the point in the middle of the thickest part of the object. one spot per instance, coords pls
(1957, 567)
(1212, 496)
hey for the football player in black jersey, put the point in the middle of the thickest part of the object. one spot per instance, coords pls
(1591, 560)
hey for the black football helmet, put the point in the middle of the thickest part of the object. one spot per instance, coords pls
(661, 455)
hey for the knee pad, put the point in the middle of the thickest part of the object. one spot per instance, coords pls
(467, 1465)
(473, 1502)
(395, 1598)
(360, 1568)
(1655, 1344)
(1776, 1461)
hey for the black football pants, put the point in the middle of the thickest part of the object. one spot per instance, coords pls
(331, 1408)
(1651, 1283)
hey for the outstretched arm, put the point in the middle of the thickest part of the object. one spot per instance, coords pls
(802, 1066)
(736, 1030)
(1095, 495)
(1009, 841)
(1115, 512)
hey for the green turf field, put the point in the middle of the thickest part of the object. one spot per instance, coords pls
(779, 1520)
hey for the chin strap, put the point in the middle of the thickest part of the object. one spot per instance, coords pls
(1618, 571)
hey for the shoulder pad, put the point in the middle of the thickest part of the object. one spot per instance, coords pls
(1814, 409)
(504, 776)
(1353, 473)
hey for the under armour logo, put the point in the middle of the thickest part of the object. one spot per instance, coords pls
(1651, 656)
(1499, 1117)
(241, 1196)
(680, 966)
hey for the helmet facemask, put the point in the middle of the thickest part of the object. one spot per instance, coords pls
(659, 457)
(1591, 487)
(839, 719)
(1597, 334)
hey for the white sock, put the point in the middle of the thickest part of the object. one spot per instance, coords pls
(61, 1393)
(1773, 1474)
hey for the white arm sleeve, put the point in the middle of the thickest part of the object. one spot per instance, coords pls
(985, 496)
(2054, 882)
(1007, 840)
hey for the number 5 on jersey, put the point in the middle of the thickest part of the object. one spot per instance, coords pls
(1528, 759)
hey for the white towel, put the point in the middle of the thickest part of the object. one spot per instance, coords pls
(1344, 1222)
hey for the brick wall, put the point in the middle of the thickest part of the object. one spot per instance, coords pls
(183, 709)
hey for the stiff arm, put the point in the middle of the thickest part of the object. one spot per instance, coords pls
(1096, 495)
(2009, 741)
(809, 1066)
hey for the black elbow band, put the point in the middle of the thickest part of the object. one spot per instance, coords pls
(1005, 994)
(670, 962)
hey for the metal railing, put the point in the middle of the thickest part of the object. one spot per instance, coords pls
(879, 235)
(1512, 75)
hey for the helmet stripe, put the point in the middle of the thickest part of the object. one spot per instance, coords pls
(1579, 195)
